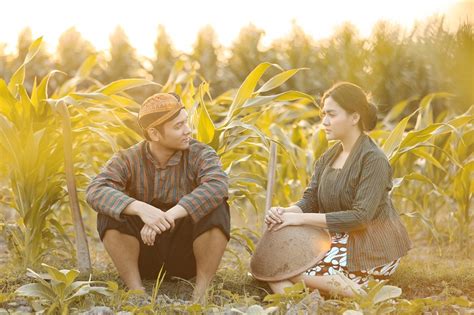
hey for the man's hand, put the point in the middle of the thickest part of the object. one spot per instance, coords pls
(148, 235)
(155, 218)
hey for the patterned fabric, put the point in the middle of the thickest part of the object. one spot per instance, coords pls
(157, 109)
(356, 200)
(193, 178)
(336, 259)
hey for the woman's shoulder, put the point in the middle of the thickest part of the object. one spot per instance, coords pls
(330, 152)
(372, 153)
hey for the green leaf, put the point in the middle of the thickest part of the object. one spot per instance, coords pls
(255, 129)
(124, 84)
(17, 78)
(35, 290)
(386, 293)
(7, 101)
(278, 80)
(86, 67)
(71, 275)
(397, 110)
(83, 290)
(248, 86)
(425, 116)
(250, 245)
(40, 277)
(106, 136)
(205, 126)
(55, 273)
(33, 50)
(419, 177)
(172, 78)
(428, 145)
(41, 93)
(260, 101)
(421, 152)
(396, 136)
(296, 288)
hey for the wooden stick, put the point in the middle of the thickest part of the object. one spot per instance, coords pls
(271, 176)
(82, 248)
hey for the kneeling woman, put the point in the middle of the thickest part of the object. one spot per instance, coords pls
(348, 195)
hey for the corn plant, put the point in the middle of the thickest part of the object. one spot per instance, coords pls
(31, 147)
(431, 157)
(231, 124)
(152, 307)
(291, 295)
(377, 298)
(56, 290)
(39, 142)
(437, 155)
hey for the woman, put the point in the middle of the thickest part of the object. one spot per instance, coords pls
(348, 195)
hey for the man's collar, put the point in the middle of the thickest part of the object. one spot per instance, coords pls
(173, 160)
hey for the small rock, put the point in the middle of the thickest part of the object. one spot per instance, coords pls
(233, 311)
(271, 310)
(124, 313)
(308, 305)
(24, 309)
(163, 299)
(255, 310)
(22, 302)
(212, 311)
(100, 310)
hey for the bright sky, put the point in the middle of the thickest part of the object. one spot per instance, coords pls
(96, 19)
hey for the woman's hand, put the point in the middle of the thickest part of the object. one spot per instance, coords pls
(273, 216)
(287, 219)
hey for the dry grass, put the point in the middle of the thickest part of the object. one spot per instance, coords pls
(423, 273)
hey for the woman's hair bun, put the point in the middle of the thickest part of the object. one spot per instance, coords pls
(370, 119)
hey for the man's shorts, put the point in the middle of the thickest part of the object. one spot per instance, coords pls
(172, 249)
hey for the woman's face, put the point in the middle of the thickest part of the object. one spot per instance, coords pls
(337, 123)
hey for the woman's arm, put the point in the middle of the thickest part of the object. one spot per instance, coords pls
(291, 218)
(273, 216)
(308, 203)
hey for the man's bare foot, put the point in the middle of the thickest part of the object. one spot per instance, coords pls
(199, 295)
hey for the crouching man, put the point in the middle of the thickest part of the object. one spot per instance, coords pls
(163, 201)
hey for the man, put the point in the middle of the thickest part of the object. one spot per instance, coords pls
(163, 201)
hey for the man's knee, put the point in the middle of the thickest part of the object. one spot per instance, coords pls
(112, 236)
(214, 234)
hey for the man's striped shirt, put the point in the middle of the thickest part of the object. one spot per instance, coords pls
(192, 178)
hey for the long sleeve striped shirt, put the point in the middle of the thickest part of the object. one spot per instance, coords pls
(192, 178)
(356, 201)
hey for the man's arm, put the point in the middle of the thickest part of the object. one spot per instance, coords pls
(212, 187)
(105, 194)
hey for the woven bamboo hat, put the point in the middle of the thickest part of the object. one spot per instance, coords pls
(288, 252)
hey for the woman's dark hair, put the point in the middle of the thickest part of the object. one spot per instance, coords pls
(353, 99)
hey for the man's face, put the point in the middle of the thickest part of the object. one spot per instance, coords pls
(176, 133)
